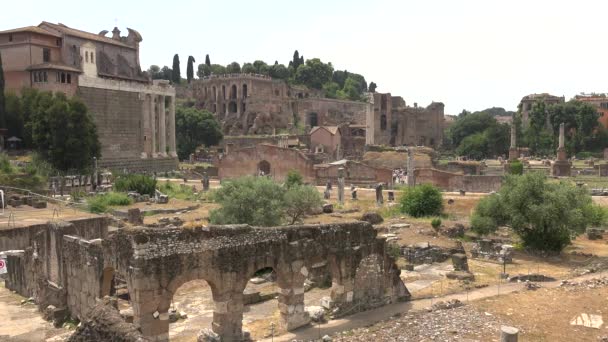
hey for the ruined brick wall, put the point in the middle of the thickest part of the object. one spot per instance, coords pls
(331, 112)
(21, 276)
(453, 182)
(22, 237)
(84, 264)
(247, 162)
(356, 173)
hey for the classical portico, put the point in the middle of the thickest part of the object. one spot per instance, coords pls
(158, 119)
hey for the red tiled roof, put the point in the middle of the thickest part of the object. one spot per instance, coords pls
(82, 34)
(33, 29)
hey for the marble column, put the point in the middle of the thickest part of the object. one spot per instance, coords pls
(144, 125)
(153, 123)
(172, 149)
(162, 127)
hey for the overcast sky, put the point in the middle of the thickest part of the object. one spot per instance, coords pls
(467, 53)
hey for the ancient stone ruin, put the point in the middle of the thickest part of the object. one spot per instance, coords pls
(72, 273)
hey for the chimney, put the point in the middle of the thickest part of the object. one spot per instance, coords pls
(116, 33)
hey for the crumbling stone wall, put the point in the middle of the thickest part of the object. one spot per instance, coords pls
(156, 262)
(453, 181)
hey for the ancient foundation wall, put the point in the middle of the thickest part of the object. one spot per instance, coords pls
(83, 264)
(356, 173)
(453, 182)
(21, 237)
(248, 162)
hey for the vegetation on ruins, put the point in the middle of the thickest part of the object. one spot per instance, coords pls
(516, 167)
(436, 223)
(32, 175)
(190, 69)
(421, 200)
(2, 99)
(545, 215)
(193, 128)
(101, 203)
(312, 73)
(478, 135)
(583, 131)
(142, 184)
(179, 191)
(259, 201)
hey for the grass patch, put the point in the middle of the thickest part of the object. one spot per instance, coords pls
(180, 191)
(101, 203)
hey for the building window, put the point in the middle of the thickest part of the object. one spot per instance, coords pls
(35, 77)
(69, 78)
(86, 56)
(44, 77)
(10, 37)
(57, 76)
(62, 77)
(46, 55)
(92, 57)
(58, 42)
(604, 105)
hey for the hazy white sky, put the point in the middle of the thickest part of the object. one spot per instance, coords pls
(469, 54)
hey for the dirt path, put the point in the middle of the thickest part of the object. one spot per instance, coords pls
(370, 317)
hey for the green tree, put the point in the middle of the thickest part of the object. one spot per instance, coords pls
(217, 69)
(166, 73)
(467, 124)
(233, 68)
(421, 200)
(279, 71)
(545, 215)
(177, 75)
(248, 68)
(257, 201)
(473, 147)
(207, 60)
(516, 168)
(340, 77)
(261, 67)
(190, 69)
(372, 87)
(331, 90)
(2, 99)
(294, 178)
(314, 73)
(14, 116)
(300, 200)
(193, 128)
(203, 70)
(296, 60)
(64, 133)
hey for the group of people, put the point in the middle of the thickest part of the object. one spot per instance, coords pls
(399, 176)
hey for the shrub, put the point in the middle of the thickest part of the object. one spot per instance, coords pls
(436, 223)
(516, 168)
(252, 200)
(101, 203)
(178, 191)
(545, 215)
(294, 178)
(299, 200)
(421, 200)
(142, 184)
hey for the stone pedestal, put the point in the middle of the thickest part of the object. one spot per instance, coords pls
(513, 154)
(560, 168)
(561, 154)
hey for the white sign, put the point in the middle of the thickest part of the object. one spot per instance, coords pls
(3, 268)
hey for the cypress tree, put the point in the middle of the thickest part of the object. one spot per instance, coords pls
(207, 60)
(296, 59)
(2, 100)
(190, 69)
(177, 75)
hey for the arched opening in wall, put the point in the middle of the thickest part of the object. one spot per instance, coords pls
(233, 92)
(113, 285)
(244, 91)
(214, 95)
(383, 122)
(214, 108)
(260, 304)
(190, 310)
(224, 92)
(223, 108)
(243, 105)
(432, 142)
(263, 168)
(421, 141)
(383, 102)
(232, 107)
(313, 119)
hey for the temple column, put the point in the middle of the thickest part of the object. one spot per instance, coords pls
(153, 124)
(172, 149)
(162, 127)
(144, 125)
